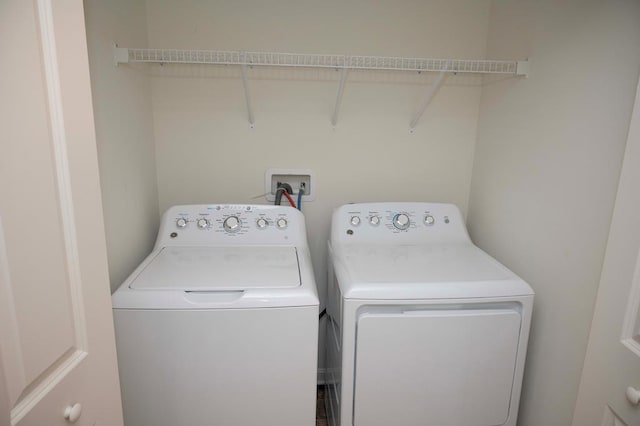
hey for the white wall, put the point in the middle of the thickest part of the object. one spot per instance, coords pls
(124, 130)
(546, 169)
(206, 152)
(548, 150)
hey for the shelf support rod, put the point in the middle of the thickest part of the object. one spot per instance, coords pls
(336, 109)
(247, 95)
(430, 95)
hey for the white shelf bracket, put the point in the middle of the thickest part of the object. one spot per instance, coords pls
(336, 109)
(247, 95)
(522, 68)
(430, 95)
(120, 55)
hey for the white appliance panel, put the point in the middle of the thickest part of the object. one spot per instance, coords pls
(435, 367)
(220, 268)
(444, 271)
(375, 223)
(204, 225)
(421, 264)
(247, 367)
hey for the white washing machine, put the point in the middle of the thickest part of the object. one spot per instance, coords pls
(424, 327)
(219, 324)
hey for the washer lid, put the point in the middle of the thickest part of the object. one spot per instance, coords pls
(220, 268)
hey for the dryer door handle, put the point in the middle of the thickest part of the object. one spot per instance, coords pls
(455, 312)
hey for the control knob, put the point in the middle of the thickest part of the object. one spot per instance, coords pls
(262, 223)
(401, 221)
(374, 220)
(231, 224)
(429, 220)
(282, 223)
(202, 223)
(181, 222)
(355, 220)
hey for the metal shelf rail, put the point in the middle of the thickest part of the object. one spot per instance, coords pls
(444, 67)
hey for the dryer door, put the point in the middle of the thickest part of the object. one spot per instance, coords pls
(445, 367)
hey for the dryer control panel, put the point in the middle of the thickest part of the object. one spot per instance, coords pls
(398, 223)
(225, 224)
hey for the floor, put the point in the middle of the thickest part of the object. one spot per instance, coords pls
(321, 412)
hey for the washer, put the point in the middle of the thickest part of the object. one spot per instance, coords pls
(424, 327)
(219, 324)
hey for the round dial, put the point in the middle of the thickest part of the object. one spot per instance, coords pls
(231, 224)
(401, 221)
(282, 223)
(181, 222)
(355, 220)
(262, 223)
(202, 223)
(429, 220)
(374, 220)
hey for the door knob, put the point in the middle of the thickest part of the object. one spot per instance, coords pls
(72, 413)
(633, 395)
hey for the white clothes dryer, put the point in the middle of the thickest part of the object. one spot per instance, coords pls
(219, 324)
(424, 327)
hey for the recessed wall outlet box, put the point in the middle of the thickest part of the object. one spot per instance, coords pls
(294, 177)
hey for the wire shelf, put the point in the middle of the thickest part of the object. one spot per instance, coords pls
(445, 67)
(214, 57)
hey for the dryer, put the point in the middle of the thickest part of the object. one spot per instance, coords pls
(424, 327)
(219, 324)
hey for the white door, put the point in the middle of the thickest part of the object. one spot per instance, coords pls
(612, 365)
(56, 331)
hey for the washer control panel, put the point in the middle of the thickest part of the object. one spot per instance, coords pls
(225, 223)
(398, 223)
